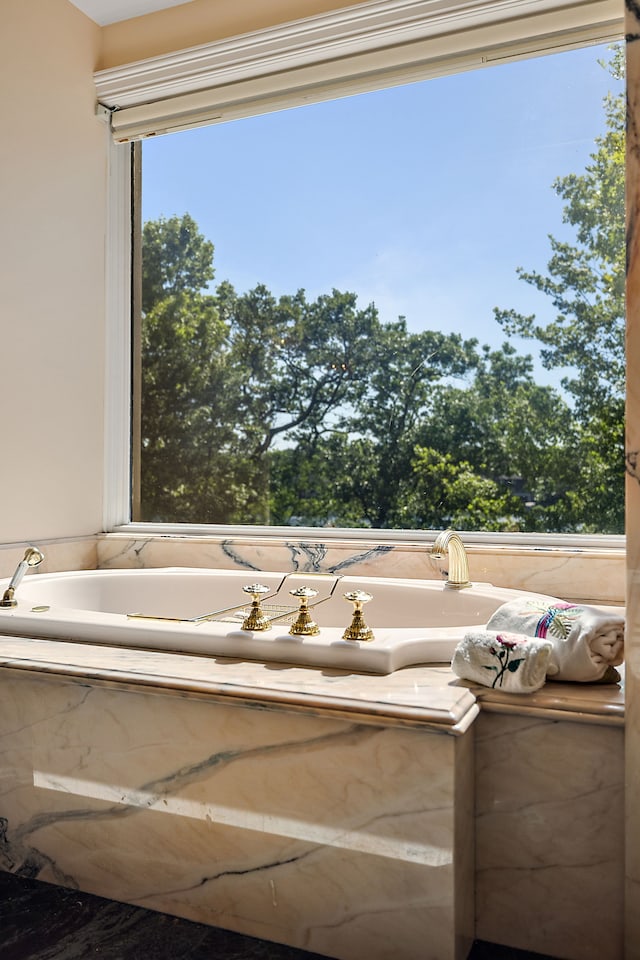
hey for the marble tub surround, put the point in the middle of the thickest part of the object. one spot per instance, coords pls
(597, 704)
(571, 573)
(106, 749)
(422, 696)
(550, 835)
(343, 838)
(430, 696)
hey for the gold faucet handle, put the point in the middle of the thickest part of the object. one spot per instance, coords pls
(255, 620)
(255, 589)
(358, 629)
(304, 594)
(304, 625)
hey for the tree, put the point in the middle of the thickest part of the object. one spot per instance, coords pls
(449, 492)
(585, 282)
(226, 375)
(302, 361)
(399, 394)
(176, 258)
(188, 385)
(586, 279)
(506, 427)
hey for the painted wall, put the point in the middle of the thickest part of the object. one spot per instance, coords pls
(52, 231)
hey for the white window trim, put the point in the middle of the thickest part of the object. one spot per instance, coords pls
(378, 43)
(118, 372)
(367, 28)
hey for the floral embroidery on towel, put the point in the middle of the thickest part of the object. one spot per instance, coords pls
(508, 643)
(556, 619)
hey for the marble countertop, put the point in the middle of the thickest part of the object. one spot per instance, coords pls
(426, 696)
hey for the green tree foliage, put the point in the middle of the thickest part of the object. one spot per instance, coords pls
(520, 434)
(449, 489)
(398, 396)
(176, 258)
(301, 365)
(585, 282)
(471, 456)
(186, 418)
(302, 361)
(225, 375)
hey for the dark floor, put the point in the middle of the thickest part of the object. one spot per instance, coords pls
(39, 921)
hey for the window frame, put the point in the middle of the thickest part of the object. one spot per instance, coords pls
(122, 361)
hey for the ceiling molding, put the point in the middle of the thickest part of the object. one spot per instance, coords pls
(345, 33)
(376, 44)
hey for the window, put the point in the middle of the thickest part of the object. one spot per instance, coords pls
(333, 380)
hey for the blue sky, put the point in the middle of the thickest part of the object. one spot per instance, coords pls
(423, 198)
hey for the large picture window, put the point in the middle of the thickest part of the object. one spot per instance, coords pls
(402, 309)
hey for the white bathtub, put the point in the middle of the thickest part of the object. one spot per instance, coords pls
(413, 621)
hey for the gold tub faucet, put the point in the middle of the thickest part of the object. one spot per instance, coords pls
(449, 542)
(31, 558)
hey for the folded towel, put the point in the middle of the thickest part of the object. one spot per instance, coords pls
(586, 641)
(505, 661)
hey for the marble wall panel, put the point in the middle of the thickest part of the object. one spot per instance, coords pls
(550, 836)
(632, 642)
(570, 574)
(336, 837)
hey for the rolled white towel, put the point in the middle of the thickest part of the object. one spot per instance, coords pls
(504, 661)
(587, 642)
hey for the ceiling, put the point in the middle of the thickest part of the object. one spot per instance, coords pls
(104, 12)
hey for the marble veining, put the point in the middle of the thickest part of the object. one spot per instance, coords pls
(550, 836)
(426, 696)
(343, 838)
(549, 570)
(234, 556)
(321, 809)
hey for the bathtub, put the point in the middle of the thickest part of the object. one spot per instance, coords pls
(188, 611)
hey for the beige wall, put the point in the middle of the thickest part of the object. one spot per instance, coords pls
(52, 230)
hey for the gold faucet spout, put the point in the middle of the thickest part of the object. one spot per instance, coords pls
(450, 543)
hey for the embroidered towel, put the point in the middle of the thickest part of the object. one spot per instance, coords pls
(504, 661)
(586, 642)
